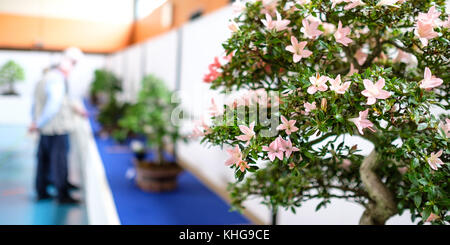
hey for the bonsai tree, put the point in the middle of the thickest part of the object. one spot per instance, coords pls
(151, 116)
(11, 73)
(110, 114)
(373, 69)
(106, 83)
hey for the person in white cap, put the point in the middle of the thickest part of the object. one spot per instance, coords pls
(52, 115)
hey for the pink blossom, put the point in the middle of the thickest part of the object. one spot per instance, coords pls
(275, 149)
(341, 35)
(235, 156)
(278, 25)
(288, 125)
(360, 56)
(353, 4)
(362, 122)
(310, 29)
(287, 147)
(432, 17)
(233, 26)
(374, 91)
(425, 31)
(291, 165)
(337, 86)
(214, 109)
(403, 57)
(346, 164)
(434, 160)
(352, 70)
(238, 7)
(318, 83)
(446, 127)
(303, 2)
(297, 48)
(429, 81)
(402, 170)
(248, 133)
(309, 107)
(213, 73)
(446, 24)
(269, 6)
(388, 2)
(243, 165)
(328, 28)
(432, 217)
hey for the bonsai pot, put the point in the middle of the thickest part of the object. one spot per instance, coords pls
(153, 177)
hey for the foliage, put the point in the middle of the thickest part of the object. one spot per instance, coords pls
(151, 116)
(106, 82)
(385, 45)
(111, 113)
(10, 73)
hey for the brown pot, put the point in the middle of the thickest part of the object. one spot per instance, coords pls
(153, 177)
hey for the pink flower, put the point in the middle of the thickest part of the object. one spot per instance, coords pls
(446, 127)
(352, 70)
(318, 83)
(429, 81)
(337, 86)
(328, 28)
(353, 4)
(233, 26)
(374, 91)
(341, 35)
(432, 17)
(346, 164)
(297, 48)
(360, 56)
(278, 25)
(269, 6)
(310, 29)
(388, 3)
(291, 165)
(361, 122)
(289, 126)
(213, 73)
(403, 57)
(235, 156)
(238, 7)
(248, 133)
(214, 109)
(275, 149)
(446, 24)
(309, 107)
(287, 147)
(425, 31)
(242, 165)
(434, 160)
(402, 170)
(432, 217)
(200, 129)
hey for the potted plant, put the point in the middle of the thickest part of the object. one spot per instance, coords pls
(109, 116)
(151, 117)
(104, 84)
(11, 73)
(367, 69)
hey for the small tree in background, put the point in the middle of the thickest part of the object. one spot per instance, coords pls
(104, 85)
(11, 73)
(371, 68)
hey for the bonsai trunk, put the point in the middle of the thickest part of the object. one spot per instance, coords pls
(160, 155)
(382, 205)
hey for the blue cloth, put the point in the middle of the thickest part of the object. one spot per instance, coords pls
(55, 89)
(192, 203)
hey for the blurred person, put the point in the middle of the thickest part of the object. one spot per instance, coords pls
(52, 115)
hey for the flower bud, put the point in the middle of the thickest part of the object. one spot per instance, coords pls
(323, 104)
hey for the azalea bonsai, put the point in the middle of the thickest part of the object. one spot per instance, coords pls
(11, 73)
(330, 70)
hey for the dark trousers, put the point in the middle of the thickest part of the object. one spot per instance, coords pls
(52, 161)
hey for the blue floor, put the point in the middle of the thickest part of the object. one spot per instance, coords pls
(17, 197)
(191, 204)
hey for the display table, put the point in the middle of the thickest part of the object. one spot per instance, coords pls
(192, 203)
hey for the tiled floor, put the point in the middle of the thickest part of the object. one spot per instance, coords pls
(17, 196)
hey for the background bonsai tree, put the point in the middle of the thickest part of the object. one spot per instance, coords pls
(105, 83)
(10, 73)
(378, 69)
(151, 116)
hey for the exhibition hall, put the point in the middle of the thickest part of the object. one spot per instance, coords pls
(219, 112)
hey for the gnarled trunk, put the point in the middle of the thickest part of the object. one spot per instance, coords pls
(382, 205)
